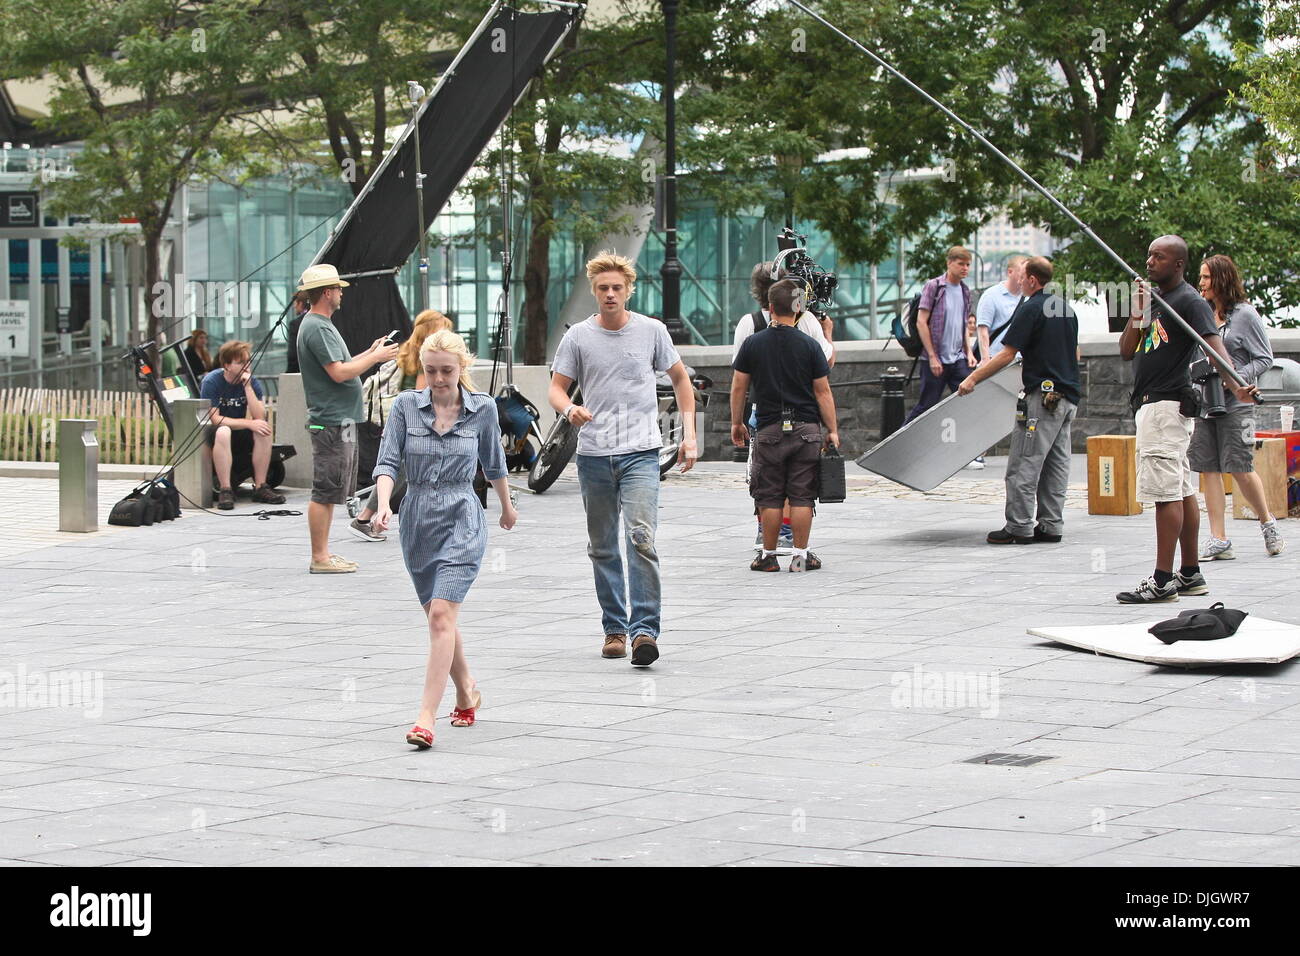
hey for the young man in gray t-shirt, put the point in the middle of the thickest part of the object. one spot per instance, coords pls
(614, 357)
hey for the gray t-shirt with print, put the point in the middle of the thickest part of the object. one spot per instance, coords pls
(616, 372)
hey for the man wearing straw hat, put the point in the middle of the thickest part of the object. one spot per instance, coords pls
(331, 380)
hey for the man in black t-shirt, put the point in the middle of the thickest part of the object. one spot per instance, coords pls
(1045, 331)
(1165, 407)
(791, 390)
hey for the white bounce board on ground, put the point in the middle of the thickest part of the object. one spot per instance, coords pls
(1257, 641)
(933, 447)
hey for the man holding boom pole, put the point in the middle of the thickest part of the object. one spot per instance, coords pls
(1165, 405)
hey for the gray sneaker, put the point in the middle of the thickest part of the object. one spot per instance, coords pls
(1148, 592)
(1190, 586)
(1216, 549)
(1273, 538)
(758, 542)
(361, 529)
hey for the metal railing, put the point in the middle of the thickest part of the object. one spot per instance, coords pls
(75, 371)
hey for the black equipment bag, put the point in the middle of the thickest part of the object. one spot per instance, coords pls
(830, 476)
(1211, 624)
(148, 502)
(132, 511)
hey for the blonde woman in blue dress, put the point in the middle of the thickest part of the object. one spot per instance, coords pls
(442, 433)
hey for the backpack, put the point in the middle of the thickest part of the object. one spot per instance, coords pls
(380, 391)
(904, 329)
(515, 415)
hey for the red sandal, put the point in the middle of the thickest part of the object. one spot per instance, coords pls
(423, 739)
(465, 717)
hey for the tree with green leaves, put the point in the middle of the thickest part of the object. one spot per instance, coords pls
(154, 89)
(1129, 111)
(1273, 88)
(339, 73)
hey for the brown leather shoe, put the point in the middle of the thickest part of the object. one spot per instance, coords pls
(645, 650)
(615, 646)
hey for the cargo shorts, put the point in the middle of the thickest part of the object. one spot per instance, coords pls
(1163, 437)
(1225, 445)
(785, 465)
(334, 451)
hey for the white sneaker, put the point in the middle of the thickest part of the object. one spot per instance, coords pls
(1273, 538)
(1217, 549)
(977, 464)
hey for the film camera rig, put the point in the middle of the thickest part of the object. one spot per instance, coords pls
(793, 262)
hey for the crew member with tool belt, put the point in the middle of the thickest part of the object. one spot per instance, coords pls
(1045, 331)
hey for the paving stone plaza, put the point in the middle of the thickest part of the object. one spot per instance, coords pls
(238, 711)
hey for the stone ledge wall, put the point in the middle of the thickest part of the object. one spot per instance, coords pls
(1106, 382)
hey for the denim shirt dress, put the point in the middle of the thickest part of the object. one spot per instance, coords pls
(443, 527)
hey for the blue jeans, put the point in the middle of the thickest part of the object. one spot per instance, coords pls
(629, 484)
(932, 386)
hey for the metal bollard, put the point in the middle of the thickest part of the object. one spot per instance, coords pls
(78, 475)
(892, 401)
(194, 472)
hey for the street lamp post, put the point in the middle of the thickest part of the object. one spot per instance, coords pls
(671, 272)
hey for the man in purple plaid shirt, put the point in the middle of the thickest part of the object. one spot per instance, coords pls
(941, 322)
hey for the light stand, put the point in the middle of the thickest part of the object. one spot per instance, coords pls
(507, 212)
(416, 93)
(671, 272)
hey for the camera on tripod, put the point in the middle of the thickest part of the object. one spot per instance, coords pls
(795, 263)
(1206, 375)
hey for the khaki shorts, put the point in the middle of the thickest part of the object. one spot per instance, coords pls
(334, 464)
(1163, 436)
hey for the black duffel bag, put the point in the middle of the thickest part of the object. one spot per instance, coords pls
(134, 510)
(148, 502)
(165, 497)
(1210, 624)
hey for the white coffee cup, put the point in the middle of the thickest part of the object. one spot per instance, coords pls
(1288, 416)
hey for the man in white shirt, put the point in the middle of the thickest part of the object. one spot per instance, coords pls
(997, 303)
(819, 330)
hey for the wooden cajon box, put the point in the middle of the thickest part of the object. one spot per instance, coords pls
(1112, 475)
(1270, 465)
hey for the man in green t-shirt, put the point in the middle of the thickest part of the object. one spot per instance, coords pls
(331, 380)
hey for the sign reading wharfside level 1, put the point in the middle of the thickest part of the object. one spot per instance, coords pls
(14, 328)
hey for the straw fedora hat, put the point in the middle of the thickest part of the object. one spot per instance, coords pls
(317, 277)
